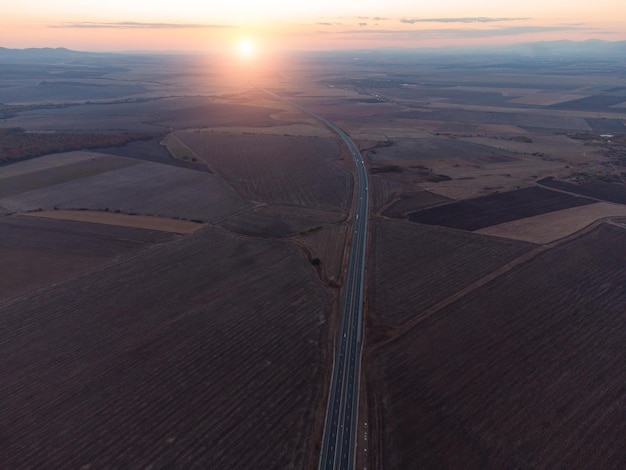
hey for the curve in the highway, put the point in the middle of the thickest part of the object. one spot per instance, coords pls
(339, 443)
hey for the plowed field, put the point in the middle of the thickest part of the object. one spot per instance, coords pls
(36, 252)
(416, 266)
(474, 214)
(204, 352)
(526, 372)
(147, 188)
(284, 170)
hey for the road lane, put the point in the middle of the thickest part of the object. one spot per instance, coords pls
(339, 443)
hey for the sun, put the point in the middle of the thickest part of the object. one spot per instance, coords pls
(246, 49)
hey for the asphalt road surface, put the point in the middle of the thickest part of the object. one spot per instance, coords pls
(339, 442)
(341, 420)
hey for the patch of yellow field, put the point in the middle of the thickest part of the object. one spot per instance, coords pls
(546, 99)
(546, 228)
(178, 149)
(161, 224)
(305, 130)
(479, 179)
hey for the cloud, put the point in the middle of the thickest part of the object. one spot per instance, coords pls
(477, 19)
(460, 33)
(373, 18)
(362, 24)
(323, 23)
(138, 25)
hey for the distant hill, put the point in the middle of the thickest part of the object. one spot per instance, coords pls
(589, 49)
(592, 49)
(47, 55)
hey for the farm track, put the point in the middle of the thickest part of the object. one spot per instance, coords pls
(526, 372)
(438, 262)
(497, 208)
(396, 333)
(385, 191)
(165, 358)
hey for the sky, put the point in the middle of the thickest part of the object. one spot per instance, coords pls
(210, 25)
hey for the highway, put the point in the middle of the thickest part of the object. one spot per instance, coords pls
(339, 441)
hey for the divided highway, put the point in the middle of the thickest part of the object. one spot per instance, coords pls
(339, 442)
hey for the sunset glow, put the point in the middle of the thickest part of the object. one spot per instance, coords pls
(246, 49)
(194, 26)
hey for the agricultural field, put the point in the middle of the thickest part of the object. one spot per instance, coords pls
(525, 372)
(530, 121)
(474, 214)
(302, 126)
(161, 224)
(415, 201)
(41, 252)
(413, 267)
(597, 189)
(438, 148)
(16, 144)
(153, 150)
(215, 114)
(282, 170)
(281, 221)
(546, 228)
(56, 169)
(328, 245)
(162, 359)
(114, 116)
(67, 91)
(385, 190)
(147, 188)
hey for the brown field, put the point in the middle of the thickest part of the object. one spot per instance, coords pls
(214, 114)
(473, 180)
(16, 145)
(154, 151)
(328, 245)
(385, 190)
(163, 359)
(37, 252)
(414, 202)
(354, 110)
(160, 224)
(558, 147)
(48, 162)
(525, 372)
(546, 228)
(545, 99)
(56, 169)
(147, 189)
(413, 267)
(298, 129)
(498, 208)
(178, 149)
(439, 148)
(281, 221)
(282, 170)
(606, 191)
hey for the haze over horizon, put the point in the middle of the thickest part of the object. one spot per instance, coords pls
(324, 25)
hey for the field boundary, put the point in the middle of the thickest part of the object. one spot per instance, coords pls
(393, 334)
(148, 222)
